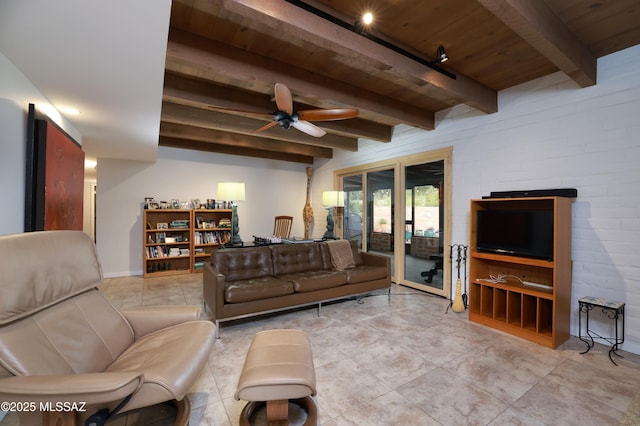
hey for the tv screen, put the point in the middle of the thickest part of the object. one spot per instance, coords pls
(526, 233)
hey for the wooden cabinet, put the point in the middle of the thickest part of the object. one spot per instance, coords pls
(525, 296)
(179, 241)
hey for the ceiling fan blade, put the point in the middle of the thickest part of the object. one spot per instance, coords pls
(284, 100)
(328, 114)
(308, 128)
(266, 126)
(248, 114)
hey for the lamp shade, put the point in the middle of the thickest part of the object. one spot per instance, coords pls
(231, 191)
(333, 198)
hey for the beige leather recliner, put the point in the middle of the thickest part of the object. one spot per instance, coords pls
(62, 342)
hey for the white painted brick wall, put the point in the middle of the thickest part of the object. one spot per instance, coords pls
(550, 133)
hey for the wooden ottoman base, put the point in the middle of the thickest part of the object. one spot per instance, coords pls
(307, 404)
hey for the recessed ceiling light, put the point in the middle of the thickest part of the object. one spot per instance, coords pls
(367, 18)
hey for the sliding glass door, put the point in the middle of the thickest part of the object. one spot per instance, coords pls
(424, 223)
(353, 208)
(416, 234)
(380, 213)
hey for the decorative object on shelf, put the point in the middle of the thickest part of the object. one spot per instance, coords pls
(232, 191)
(307, 211)
(331, 200)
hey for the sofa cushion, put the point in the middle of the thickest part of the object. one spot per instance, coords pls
(292, 258)
(243, 263)
(362, 273)
(315, 280)
(256, 289)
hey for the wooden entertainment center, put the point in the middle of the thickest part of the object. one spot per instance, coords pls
(525, 296)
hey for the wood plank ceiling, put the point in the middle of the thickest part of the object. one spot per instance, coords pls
(230, 53)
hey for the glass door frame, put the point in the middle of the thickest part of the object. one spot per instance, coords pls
(398, 165)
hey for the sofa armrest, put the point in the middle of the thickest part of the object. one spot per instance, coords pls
(371, 259)
(89, 388)
(213, 290)
(148, 319)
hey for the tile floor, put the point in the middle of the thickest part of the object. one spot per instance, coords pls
(403, 361)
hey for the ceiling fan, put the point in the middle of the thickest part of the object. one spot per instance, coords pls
(286, 117)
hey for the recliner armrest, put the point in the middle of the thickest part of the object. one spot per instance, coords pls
(148, 319)
(90, 388)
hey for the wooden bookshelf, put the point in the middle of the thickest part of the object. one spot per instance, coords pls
(177, 241)
(208, 235)
(541, 312)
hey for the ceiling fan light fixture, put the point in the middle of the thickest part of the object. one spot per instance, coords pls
(442, 54)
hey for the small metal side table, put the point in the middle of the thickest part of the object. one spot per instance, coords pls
(613, 310)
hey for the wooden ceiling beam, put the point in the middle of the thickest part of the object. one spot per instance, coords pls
(197, 93)
(190, 133)
(281, 16)
(206, 59)
(196, 117)
(226, 149)
(535, 22)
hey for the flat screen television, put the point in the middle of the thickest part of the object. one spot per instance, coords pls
(525, 233)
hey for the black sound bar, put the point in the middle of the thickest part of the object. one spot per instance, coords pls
(558, 192)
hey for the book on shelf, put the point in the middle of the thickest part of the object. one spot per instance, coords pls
(211, 237)
(179, 224)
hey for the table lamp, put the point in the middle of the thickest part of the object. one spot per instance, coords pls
(331, 199)
(232, 191)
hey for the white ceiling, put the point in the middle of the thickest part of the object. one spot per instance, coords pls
(106, 58)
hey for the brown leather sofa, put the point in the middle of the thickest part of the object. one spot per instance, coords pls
(241, 282)
(69, 355)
